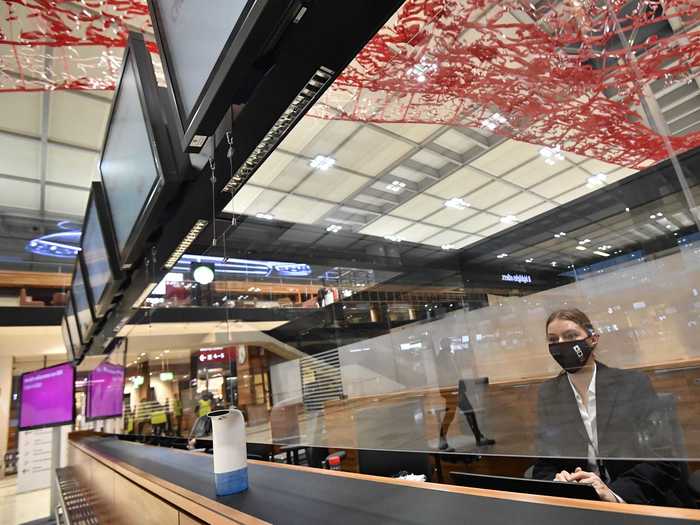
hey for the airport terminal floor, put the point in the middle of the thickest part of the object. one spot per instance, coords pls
(297, 262)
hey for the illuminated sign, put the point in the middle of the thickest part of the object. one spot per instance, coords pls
(166, 376)
(213, 355)
(516, 278)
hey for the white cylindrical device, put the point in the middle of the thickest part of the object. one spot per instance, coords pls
(230, 456)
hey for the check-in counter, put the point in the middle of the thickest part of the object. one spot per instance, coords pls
(133, 483)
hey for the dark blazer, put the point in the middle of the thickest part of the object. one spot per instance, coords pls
(629, 426)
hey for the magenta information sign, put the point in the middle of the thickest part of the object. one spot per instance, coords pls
(105, 391)
(47, 397)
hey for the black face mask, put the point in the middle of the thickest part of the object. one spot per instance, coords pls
(571, 355)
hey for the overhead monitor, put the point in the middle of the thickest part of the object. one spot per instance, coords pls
(82, 301)
(73, 328)
(208, 75)
(47, 397)
(105, 391)
(99, 249)
(139, 167)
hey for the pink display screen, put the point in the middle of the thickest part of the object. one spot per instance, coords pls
(47, 397)
(105, 391)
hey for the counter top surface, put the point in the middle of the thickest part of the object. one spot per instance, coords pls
(281, 494)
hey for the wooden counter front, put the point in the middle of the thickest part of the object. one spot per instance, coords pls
(132, 493)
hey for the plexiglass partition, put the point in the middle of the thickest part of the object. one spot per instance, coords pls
(482, 241)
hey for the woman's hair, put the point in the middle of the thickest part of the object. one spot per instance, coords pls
(572, 314)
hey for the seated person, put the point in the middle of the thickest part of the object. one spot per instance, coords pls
(590, 412)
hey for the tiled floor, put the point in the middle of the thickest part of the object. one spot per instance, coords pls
(21, 508)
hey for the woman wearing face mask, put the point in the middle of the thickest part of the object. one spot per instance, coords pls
(590, 412)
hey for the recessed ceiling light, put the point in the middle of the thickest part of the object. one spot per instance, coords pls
(652, 216)
(659, 214)
(601, 253)
(597, 180)
(604, 247)
(393, 238)
(551, 155)
(493, 121)
(334, 228)
(553, 263)
(529, 260)
(501, 255)
(396, 186)
(322, 163)
(581, 248)
(669, 226)
(627, 210)
(584, 241)
(509, 219)
(448, 247)
(265, 216)
(456, 203)
(560, 234)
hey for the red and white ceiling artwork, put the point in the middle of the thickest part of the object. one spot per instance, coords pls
(550, 73)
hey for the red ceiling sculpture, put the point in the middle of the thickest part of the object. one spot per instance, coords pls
(550, 73)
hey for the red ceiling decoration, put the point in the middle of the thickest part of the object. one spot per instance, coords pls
(548, 73)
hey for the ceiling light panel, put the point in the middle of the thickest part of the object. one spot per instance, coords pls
(271, 169)
(430, 158)
(490, 194)
(454, 141)
(562, 183)
(333, 185)
(506, 157)
(303, 133)
(300, 209)
(444, 237)
(415, 132)
(386, 225)
(535, 171)
(516, 204)
(244, 198)
(449, 216)
(419, 232)
(476, 223)
(21, 112)
(370, 152)
(418, 207)
(19, 156)
(461, 182)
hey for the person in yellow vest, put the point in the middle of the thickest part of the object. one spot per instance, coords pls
(159, 419)
(205, 404)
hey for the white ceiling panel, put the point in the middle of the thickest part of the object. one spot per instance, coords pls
(449, 216)
(506, 156)
(620, 174)
(490, 195)
(468, 240)
(332, 185)
(598, 166)
(445, 237)
(369, 152)
(71, 166)
(430, 158)
(476, 223)
(454, 141)
(243, 199)
(303, 134)
(573, 194)
(263, 202)
(67, 109)
(534, 212)
(20, 157)
(271, 168)
(496, 228)
(516, 204)
(561, 183)
(18, 194)
(330, 138)
(66, 200)
(459, 183)
(385, 226)
(292, 174)
(535, 171)
(419, 232)
(408, 174)
(418, 207)
(21, 112)
(300, 209)
(414, 132)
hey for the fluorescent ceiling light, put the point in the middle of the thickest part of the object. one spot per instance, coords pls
(322, 163)
(501, 256)
(602, 254)
(456, 203)
(393, 238)
(396, 186)
(265, 216)
(509, 219)
(581, 248)
(448, 247)
(584, 241)
(529, 260)
(334, 228)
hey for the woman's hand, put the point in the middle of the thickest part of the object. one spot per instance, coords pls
(588, 478)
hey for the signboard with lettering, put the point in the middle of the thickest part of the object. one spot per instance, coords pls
(516, 278)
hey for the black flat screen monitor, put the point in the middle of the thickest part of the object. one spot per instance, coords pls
(82, 301)
(100, 253)
(47, 397)
(526, 486)
(73, 328)
(105, 391)
(207, 75)
(138, 162)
